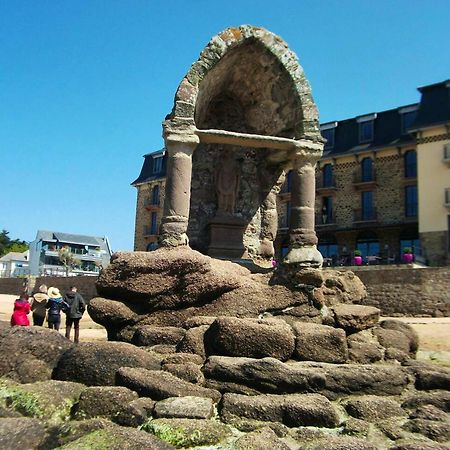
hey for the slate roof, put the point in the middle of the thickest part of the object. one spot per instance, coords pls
(387, 132)
(433, 109)
(54, 236)
(434, 105)
(147, 173)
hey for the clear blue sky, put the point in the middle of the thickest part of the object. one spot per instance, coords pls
(85, 85)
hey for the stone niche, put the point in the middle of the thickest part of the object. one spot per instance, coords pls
(243, 116)
(247, 91)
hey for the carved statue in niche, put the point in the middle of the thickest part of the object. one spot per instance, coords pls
(227, 183)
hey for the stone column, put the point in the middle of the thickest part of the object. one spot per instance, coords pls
(179, 147)
(302, 237)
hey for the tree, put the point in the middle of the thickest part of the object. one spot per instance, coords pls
(8, 245)
(67, 259)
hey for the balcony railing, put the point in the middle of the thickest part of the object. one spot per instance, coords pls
(326, 184)
(361, 177)
(323, 220)
(150, 202)
(365, 215)
(75, 251)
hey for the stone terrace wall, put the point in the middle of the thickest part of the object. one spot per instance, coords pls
(397, 291)
(86, 285)
(12, 286)
(408, 292)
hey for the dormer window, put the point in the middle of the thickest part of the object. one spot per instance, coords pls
(366, 128)
(366, 131)
(408, 116)
(157, 164)
(328, 130)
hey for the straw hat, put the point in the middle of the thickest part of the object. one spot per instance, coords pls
(53, 292)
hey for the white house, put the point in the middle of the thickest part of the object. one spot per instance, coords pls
(14, 264)
(91, 252)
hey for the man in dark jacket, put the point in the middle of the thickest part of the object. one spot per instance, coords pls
(77, 306)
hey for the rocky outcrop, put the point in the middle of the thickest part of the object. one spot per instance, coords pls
(23, 432)
(168, 287)
(30, 354)
(96, 363)
(286, 361)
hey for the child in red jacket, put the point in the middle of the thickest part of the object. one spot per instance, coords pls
(21, 311)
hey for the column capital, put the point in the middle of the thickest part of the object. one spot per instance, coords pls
(176, 133)
(306, 151)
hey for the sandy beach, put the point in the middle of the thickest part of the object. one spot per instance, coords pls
(89, 330)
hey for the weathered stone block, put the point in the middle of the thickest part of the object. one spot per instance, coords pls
(354, 318)
(159, 385)
(265, 375)
(320, 343)
(293, 410)
(373, 408)
(103, 401)
(252, 338)
(96, 363)
(188, 407)
(149, 335)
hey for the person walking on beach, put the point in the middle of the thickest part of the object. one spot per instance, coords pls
(21, 311)
(74, 313)
(54, 305)
(38, 305)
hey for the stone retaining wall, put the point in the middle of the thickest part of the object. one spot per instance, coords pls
(85, 285)
(403, 291)
(397, 291)
(12, 286)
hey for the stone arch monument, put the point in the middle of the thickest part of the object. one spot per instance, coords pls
(242, 117)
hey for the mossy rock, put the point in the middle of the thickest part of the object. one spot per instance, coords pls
(183, 433)
(115, 437)
(50, 400)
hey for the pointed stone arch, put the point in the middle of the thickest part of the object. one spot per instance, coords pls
(247, 89)
(229, 42)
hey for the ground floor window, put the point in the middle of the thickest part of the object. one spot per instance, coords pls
(152, 246)
(368, 245)
(329, 249)
(414, 244)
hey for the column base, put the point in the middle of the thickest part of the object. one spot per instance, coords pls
(304, 256)
(226, 235)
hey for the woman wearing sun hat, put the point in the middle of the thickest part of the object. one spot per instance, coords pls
(54, 305)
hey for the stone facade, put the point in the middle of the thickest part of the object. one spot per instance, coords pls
(143, 233)
(218, 105)
(390, 222)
